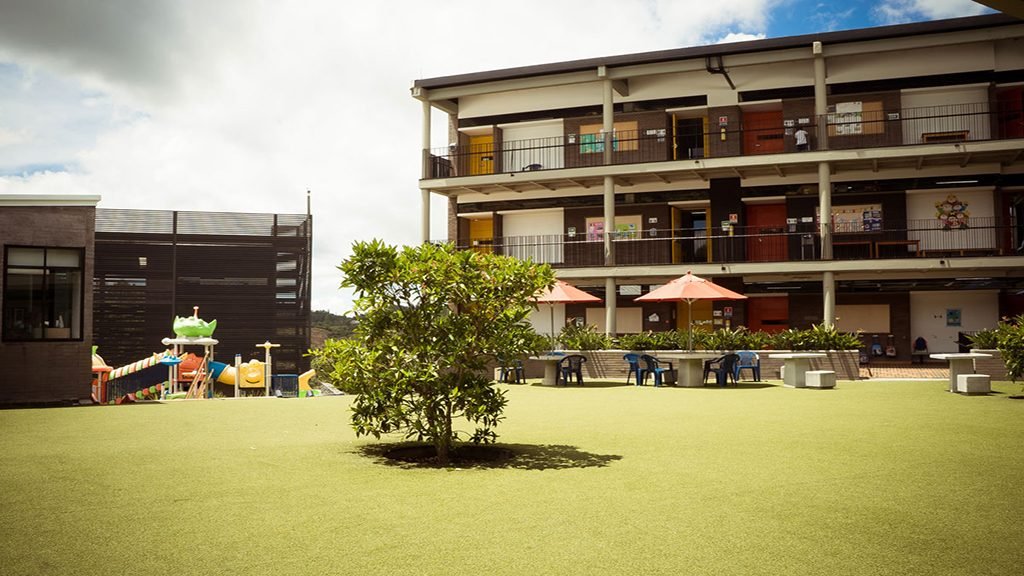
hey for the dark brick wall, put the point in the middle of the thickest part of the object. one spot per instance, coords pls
(648, 250)
(733, 144)
(649, 149)
(49, 371)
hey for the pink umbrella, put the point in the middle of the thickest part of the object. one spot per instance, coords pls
(564, 293)
(689, 288)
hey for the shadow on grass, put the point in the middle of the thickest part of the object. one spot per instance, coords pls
(511, 456)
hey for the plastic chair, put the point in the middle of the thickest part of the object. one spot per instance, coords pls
(569, 366)
(748, 361)
(513, 369)
(653, 367)
(634, 368)
(724, 368)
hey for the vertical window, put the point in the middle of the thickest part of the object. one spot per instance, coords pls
(42, 293)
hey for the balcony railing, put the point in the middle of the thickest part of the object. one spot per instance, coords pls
(895, 239)
(841, 130)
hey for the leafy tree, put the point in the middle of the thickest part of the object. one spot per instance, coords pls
(431, 320)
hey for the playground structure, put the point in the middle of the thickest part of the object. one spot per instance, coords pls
(177, 374)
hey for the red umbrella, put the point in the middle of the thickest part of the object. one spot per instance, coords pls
(689, 288)
(564, 293)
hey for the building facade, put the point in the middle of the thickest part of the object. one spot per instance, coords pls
(46, 297)
(872, 179)
(75, 276)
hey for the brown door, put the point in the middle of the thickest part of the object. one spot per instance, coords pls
(770, 314)
(763, 133)
(766, 227)
(1011, 112)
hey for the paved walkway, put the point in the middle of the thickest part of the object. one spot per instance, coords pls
(890, 369)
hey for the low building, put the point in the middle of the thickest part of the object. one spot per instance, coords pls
(46, 296)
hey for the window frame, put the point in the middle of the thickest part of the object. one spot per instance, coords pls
(47, 271)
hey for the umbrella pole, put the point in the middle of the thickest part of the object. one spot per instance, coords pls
(689, 325)
(552, 308)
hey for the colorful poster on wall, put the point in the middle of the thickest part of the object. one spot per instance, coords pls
(595, 230)
(952, 213)
(952, 317)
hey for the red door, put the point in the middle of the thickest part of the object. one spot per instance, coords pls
(763, 132)
(1010, 102)
(770, 314)
(766, 228)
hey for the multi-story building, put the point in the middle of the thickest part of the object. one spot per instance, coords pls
(870, 178)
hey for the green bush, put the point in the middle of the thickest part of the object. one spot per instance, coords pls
(984, 340)
(1009, 340)
(587, 337)
(817, 337)
(329, 366)
(651, 341)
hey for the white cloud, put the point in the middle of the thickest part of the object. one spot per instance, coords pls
(234, 105)
(739, 37)
(901, 11)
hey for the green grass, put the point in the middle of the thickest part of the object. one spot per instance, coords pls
(871, 478)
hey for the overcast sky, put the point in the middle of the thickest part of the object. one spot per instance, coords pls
(243, 105)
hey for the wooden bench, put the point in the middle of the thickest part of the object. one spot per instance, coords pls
(944, 137)
(907, 243)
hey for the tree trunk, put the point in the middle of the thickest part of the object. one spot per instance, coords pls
(443, 442)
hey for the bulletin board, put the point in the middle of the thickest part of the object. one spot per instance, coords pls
(591, 141)
(855, 218)
(855, 118)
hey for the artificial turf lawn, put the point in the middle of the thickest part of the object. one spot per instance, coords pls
(869, 478)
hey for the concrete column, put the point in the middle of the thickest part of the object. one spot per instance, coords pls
(607, 120)
(828, 291)
(608, 127)
(610, 298)
(820, 95)
(425, 139)
(609, 220)
(425, 215)
(825, 207)
(425, 199)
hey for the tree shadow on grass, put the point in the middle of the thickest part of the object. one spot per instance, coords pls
(510, 456)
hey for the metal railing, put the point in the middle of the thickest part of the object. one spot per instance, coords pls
(841, 130)
(893, 239)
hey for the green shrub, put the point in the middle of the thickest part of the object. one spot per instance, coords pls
(1009, 340)
(329, 366)
(574, 337)
(984, 340)
(650, 341)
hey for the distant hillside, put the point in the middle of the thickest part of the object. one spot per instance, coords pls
(327, 325)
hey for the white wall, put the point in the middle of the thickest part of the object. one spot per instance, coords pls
(979, 310)
(528, 143)
(628, 320)
(866, 318)
(587, 94)
(980, 233)
(534, 234)
(920, 112)
(908, 63)
(540, 318)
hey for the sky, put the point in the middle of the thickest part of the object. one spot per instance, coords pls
(244, 105)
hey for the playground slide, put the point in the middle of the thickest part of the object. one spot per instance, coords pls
(136, 378)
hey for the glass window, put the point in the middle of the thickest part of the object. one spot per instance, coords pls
(42, 293)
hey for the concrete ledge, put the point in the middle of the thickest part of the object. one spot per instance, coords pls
(821, 379)
(973, 383)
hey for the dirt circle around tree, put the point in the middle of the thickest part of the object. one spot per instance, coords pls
(467, 455)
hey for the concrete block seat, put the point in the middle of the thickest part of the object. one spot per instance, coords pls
(821, 379)
(973, 383)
